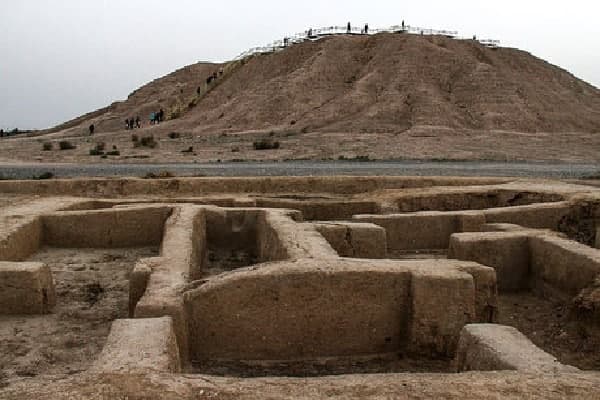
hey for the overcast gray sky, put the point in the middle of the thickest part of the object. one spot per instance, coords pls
(62, 58)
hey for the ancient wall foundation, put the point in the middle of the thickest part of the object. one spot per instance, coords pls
(303, 278)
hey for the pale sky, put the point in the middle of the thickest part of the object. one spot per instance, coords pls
(62, 58)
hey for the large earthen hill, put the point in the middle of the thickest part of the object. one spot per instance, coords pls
(403, 96)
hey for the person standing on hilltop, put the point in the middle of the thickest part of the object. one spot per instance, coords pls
(366, 29)
(1, 132)
(138, 122)
(349, 28)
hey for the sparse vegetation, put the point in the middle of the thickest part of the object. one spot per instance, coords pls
(146, 141)
(362, 158)
(593, 176)
(47, 146)
(174, 135)
(43, 176)
(189, 150)
(266, 144)
(66, 145)
(159, 175)
(98, 150)
(113, 153)
(134, 138)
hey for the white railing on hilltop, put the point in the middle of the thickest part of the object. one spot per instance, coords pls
(319, 33)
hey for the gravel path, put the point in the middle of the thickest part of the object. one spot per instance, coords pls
(308, 168)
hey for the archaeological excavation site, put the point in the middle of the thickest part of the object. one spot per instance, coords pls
(305, 287)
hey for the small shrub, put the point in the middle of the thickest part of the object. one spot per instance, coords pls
(146, 141)
(159, 175)
(235, 150)
(266, 144)
(174, 135)
(271, 134)
(114, 147)
(293, 122)
(47, 146)
(189, 150)
(113, 153)
(99, 149)
(44, 176)
(304, 130)
(66, 145)
(135, 138)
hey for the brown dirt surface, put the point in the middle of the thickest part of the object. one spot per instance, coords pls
(384, 364)
(468, 386)
(385, 96)
(549, 325)
(92, 289)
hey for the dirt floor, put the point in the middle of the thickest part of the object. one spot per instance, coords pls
(324, 367)
(425, 254)
(92, 290)
(547, 323)
(224, 260)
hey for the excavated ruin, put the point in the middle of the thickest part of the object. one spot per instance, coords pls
(252, 282)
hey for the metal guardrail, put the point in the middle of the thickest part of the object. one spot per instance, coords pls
(319, 33)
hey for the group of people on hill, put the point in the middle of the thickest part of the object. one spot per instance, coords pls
(131, 123)
(364, 31)
(157, 117)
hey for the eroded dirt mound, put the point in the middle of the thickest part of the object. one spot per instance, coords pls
(382, 83)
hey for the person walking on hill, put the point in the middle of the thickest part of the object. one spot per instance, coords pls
(138, 122)
(152, 118)
(161, 115)
(1, 132)
(91, 128)
(366, 29)
(349, 28)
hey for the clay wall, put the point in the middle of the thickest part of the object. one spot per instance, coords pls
(309, 308)
(130, 227)
(355, 240)
(470, 199)
(26, 288)
(531, 260)
(21, 241)
(198, 186)
(486, 347)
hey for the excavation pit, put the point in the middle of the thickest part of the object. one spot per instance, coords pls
(224, 287)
